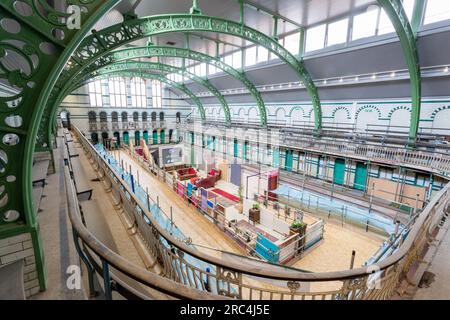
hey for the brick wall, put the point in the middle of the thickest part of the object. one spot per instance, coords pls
(17, 248)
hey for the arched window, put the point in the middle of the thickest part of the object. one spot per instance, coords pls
(92, 116)
(161, 116)
(144, 116)
(115, 117)
(117, 92)
(103, 117)
(153, 116)
(95, 93)
(135, 116)
(124, 117)
(156, 94)
(178, 117)
(138, 93)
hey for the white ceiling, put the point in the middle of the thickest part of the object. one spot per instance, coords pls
(301, 12)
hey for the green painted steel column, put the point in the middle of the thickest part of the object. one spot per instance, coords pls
(397, 14)
(93, 49)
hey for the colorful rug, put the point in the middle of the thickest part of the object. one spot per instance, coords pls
(226, 195)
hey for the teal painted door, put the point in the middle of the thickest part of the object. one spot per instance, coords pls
(163, 137)
(236, 149)
(137, 138)
(289, 160)
(155, 137)
(94, 138)
(192, 156)
(360, 176)
(320, 167)
(146, 137)
(339, 171)
(126, 138)
(276, 158)
(214, 143)
(117, 136)
(246, 151)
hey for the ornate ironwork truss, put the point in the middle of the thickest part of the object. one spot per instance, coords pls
(154, 66)
(101, 43)
(42, 39)
(162, 51)
(53, 49)
(408, 41)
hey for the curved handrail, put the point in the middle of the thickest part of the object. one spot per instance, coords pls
(352, 284)
(135, 272)
(263, 270)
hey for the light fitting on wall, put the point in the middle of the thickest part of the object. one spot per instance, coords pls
(393, 75)
(446, 69)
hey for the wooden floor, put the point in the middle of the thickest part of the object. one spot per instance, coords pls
(185, 217)
(335, 251)
(332, 254)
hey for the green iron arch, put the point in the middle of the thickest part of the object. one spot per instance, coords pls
(164, 68)
(44, 42)
(141, 74)
(52, 43)
(408, 41)
(100, 43)
(162, 51)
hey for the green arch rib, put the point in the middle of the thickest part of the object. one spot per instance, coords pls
(397, 14)
(143, 74)
(101, 43)
(162, 51)
(164, 68)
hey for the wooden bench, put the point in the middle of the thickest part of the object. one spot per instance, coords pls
(40, 170)
(82, 185)
(69, 138)
(11, 280)
(38, 193)
(72, 150)
(66, 155)
(97, 224)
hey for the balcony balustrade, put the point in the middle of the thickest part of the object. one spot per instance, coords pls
(387, 277)
(93, 126)
(104, 126)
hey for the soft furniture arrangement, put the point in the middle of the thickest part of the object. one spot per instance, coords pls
(186, 174)
(217, 174)
(205, 183)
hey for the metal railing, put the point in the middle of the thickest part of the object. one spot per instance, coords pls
(247, 239)
(245, 278)
(433, 162)
(112, 267)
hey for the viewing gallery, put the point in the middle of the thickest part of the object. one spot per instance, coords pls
(224, 150)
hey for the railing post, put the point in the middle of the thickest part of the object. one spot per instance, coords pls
(89, 267)
(107, 280)
(352, 261)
